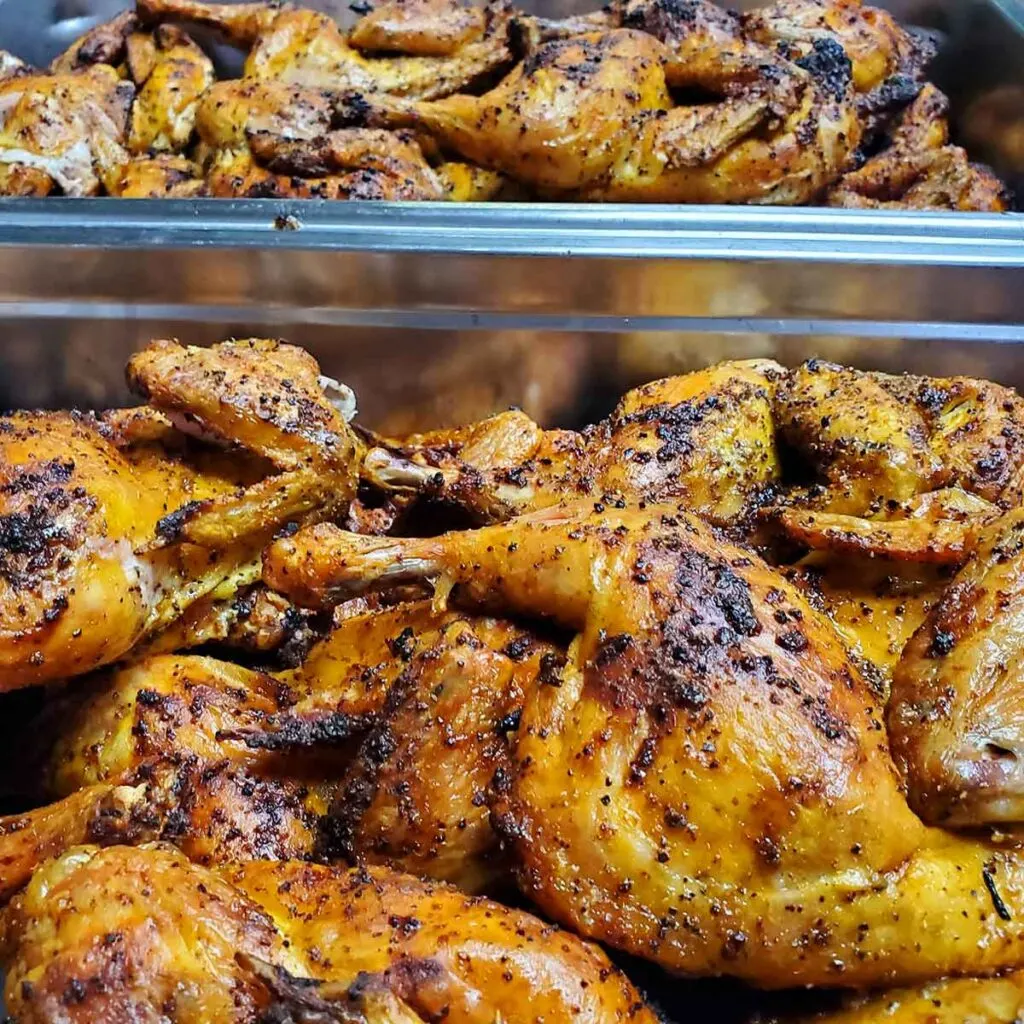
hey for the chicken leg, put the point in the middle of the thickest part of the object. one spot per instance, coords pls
(705, 439)
(303, 47)
(707, 783)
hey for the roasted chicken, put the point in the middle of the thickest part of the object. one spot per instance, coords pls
(66, 132)
(707, 783)
(755, 669)
(679, 101)
(140, 934)
(887, 62)
(94, 557)
(920, 170)
(556, 122)
(403, 715)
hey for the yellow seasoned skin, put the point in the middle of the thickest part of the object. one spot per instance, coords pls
(705, 439)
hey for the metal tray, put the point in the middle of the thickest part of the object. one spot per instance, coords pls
(298, 266)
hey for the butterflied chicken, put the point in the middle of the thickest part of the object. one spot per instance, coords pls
(306, 48)
(130, 932)
(707, 783)
(96, 554)
(590, 116)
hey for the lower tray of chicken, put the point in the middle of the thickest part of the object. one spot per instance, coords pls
(304, 723)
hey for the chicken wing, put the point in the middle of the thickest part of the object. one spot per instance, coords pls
(92, 559)
(129, 933)
(707, 783)
(306, 48)
(152, 752)
(65, 131)
(874, 439)
(417, 796)
(705, 439)
(106, 43)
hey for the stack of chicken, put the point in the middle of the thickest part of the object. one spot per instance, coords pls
(727, 682)
(677, 101)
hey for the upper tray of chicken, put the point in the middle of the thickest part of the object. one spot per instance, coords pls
(729, 681)
(670, 101)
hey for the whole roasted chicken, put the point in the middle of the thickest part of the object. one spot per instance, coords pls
(99, 550)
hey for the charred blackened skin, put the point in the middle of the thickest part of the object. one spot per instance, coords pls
(170, 526)
(662, 18)
(551, 666)
(830, 65)
(291, 733)
(942, 643)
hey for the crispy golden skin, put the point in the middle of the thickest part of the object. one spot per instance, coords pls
(104, 44)
(705, 439)
(171, 73)
(704, 152)
(733, 807)
(423, 28)
(876, 604)
(161, 177)
(158, 751)
(937, 527)
(65, 131)
(272, 139)
(954, 719)
(131, 932)
(556, 122)
(404, 715)
(92, 557)
(306, 48)
(887, 62)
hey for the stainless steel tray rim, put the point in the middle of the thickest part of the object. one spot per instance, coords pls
(522, 229)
